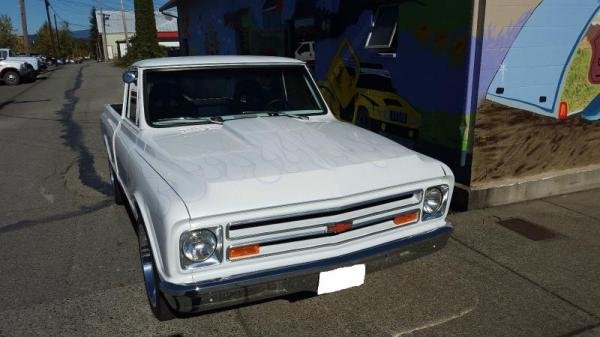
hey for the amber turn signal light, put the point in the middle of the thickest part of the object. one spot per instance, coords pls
(406, 218)
(339, 227)
(242, 252)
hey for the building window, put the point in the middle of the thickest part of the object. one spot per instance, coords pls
(383, 31)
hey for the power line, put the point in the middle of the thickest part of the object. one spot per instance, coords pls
(63, 20)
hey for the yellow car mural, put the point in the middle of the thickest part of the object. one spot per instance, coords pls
(364, 95)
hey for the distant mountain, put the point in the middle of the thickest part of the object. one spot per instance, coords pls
(81, 34)
(78, 34)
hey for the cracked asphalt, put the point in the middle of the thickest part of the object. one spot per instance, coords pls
(69, 263)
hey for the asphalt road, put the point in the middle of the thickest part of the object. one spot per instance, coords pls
(69, 263)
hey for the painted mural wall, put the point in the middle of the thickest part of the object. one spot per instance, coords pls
(397, 67)
(539, 92)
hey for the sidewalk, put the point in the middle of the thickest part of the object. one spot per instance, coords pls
(528, 269)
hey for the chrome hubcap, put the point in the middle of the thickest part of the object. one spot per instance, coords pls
(12, 77)
(147, 266)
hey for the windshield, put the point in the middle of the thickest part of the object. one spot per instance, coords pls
(207, 95)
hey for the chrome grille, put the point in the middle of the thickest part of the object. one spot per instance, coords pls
(283, 234)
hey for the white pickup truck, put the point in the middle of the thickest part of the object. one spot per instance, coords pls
(9, 54)
(12, 72)
(245, 187)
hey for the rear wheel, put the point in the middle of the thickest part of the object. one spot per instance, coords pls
(159, 306)
(117, 190)
(11, 77)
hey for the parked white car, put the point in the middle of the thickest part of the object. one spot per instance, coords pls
(245, 186)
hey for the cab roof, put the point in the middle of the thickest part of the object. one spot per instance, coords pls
(215, 60)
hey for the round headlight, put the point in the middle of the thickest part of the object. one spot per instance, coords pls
(433, 200)
(199, 245)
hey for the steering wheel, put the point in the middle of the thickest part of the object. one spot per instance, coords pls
(271, 104)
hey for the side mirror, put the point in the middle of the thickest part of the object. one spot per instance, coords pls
(129, 77)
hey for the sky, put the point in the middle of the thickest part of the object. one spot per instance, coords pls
(75, 12)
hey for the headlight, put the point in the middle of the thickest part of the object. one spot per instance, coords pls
(198, 246)
(435, 201)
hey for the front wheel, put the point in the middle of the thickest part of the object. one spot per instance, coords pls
(159, 306)
(11, 77)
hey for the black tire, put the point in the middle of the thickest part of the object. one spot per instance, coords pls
(11, 77)
(117, 189)
(158, 304)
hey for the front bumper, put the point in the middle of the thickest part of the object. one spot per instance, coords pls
(215, 294)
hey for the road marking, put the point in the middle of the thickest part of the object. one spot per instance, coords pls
(439, 321)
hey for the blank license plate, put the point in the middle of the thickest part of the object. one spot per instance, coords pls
(341, 278)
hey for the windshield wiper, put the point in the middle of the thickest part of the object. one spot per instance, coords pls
(276, 113)
(287, 114)
(189, 120)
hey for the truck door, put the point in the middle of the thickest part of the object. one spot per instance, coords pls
(111, 120)
(595, 64)
(125, 140)
(342, 77)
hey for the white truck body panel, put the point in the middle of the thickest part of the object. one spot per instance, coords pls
(188, 177)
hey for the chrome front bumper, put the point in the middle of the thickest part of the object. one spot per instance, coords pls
(261, 285)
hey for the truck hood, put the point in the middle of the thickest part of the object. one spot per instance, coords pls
(11, 63)
(256, 163)
(29, 59)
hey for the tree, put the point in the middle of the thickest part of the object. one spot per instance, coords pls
(67, 42)
(93, 47)
(8, 39)
(145, 43)
(43, 42)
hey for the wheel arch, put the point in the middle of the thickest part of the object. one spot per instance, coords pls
(5, 70)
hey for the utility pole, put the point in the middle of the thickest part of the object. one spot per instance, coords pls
(50, 28)
(124, 25)
(24, 26)
(104, 42)
(56, 30)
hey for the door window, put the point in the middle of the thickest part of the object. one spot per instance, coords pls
(384, 28)
(132, 110)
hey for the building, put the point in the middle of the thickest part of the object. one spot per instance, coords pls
(166, 27)
(505, 92)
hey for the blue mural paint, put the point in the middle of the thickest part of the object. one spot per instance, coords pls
(592, 112)
(531, 76)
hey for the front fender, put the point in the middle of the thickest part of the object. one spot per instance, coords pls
(165, 217)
